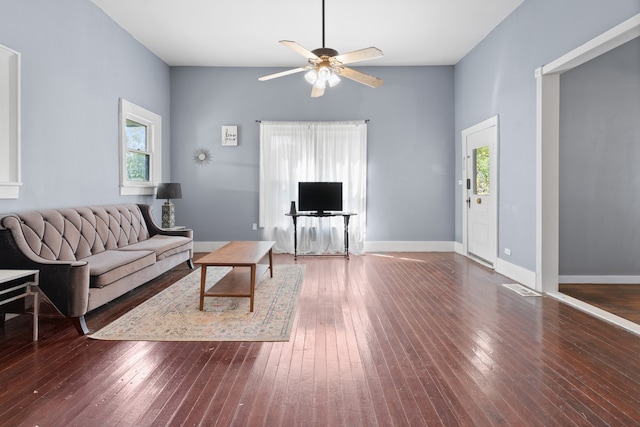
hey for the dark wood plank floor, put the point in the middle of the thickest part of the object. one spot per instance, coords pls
(620, 299)
(403, 339)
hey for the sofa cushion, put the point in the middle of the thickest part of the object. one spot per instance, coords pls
(110, 266)
(163, 246)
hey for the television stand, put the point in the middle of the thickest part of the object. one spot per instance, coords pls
(345, 215)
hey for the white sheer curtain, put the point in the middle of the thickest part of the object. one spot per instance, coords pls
(291, 152)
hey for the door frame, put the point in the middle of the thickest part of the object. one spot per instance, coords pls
(547, 148)
(494, 163)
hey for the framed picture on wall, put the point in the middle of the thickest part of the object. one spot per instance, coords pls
(229, 136)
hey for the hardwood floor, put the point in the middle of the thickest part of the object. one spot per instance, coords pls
(402, 339)
(620, 299)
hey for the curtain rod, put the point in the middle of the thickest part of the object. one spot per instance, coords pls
(365, 120)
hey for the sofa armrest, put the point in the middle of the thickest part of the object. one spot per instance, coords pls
(64, 283)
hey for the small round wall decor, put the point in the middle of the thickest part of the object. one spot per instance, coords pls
(202, 156)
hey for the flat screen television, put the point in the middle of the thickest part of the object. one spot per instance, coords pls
(320, 197)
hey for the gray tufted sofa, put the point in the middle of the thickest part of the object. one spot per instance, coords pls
(87, 256)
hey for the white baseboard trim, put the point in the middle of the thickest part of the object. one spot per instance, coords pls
(382, 246)
(514, 272)
(618, 280)
(597, 312)
(517, 273)
(409, 246)
(207, 246)
(458, 248)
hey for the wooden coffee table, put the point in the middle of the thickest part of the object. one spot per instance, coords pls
(244, 258)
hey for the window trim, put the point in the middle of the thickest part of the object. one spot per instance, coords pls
(130, 111)
(10, 182)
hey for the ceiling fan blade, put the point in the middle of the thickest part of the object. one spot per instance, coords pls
(283, 73)
(299, 49)
(361, 77)
(359, 55)
(316, 91)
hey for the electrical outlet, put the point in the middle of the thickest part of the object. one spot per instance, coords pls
(254, 226)
(507, 251)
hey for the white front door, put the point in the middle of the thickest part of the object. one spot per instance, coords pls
(480, 204)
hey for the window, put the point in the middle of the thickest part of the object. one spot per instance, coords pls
(291, 152)
(140, 149)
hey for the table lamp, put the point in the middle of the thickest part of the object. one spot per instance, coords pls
(168, 191)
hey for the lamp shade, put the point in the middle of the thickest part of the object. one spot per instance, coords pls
(169, 190)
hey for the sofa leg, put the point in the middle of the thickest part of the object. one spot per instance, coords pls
(190, 263)
(81, 325)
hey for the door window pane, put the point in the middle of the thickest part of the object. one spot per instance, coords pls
(481, 171)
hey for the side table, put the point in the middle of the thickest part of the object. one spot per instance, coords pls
(345, 215)
(177, 227)
(17, 284)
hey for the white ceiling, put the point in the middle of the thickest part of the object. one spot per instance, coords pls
(245, 33)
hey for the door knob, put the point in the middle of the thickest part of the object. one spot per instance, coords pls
(479, 201)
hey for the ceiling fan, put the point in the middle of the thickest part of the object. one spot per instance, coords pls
(326, 65)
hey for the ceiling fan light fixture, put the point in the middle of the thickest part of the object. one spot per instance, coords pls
(333, 79)
(324, 73)
(327, 66)
(320, 84)
(311, 76)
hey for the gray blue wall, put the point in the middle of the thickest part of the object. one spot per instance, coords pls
(76, 64)
(600, 165)
(410, 146)
(497, 78)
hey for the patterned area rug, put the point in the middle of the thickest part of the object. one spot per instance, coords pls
(174, 315)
